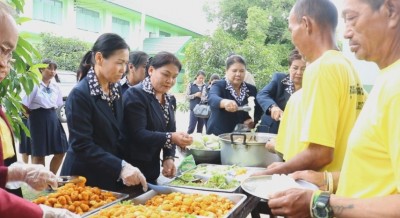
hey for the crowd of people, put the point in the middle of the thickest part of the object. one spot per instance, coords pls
(328, 131)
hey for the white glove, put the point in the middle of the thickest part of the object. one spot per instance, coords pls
(49, 212)
(131, 175)
(35, 175)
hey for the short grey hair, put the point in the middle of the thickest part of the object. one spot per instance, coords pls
(324, 12)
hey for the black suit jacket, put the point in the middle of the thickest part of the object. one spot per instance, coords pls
(273, 93)
(222, 121)
(145, 131)
(95, 148)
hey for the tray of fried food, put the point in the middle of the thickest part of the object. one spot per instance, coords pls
(182, 203)
(79, 198)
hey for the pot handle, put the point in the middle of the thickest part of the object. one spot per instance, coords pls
(238, 134)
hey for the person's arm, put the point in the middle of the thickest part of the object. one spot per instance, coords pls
(266, 97)
(189, 96)
(387, 206)
(14, 206)
(296, 203)
(60, 101)
(314, 157)
(27, 99)
(3, 176)
(215, 95)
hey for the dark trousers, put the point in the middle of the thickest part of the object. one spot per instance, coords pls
(193, 120)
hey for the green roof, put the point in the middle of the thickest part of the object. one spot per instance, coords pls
(173, 44)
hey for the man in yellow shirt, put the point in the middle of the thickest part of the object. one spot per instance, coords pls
(369, 182)
(290, 120)
(332, 95)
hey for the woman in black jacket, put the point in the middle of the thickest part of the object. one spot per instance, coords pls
(274, 96)
(95, 115)
(149, 120)
(194, 93)
(227, 95)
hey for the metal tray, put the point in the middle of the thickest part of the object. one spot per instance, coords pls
(119, 196)
(236, 198)
(264, 186)
(240, 178)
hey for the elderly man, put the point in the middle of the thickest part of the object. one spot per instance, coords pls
(34, 175)
(332, 96)
(369, 182)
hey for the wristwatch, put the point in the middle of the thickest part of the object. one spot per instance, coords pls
(321, 207)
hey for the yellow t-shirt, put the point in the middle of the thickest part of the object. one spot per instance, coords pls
(288, 141)
(332, 99)
(6, 140)
(372, 164)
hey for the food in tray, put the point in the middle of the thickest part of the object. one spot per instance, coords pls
(211, 176)
(76, 197)
(172, 205)
(205, 142)
(126, 209)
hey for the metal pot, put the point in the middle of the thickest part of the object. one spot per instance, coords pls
(246, 149)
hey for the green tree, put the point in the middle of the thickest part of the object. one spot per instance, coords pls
(68, 52)
(209, 53)
(255, 29)
(23, 75)
(231, 16)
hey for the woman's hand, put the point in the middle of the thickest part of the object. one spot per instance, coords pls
(182, 139)
(249, 123)
(197, 94)
(229, 105)
(276, 113)
(169, 168)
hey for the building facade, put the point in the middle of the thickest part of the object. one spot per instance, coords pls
(87, 19)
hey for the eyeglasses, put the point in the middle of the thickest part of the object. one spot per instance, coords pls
(7, 54)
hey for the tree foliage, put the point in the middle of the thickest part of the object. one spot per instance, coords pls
(254, 29)
(68, 52)
(22, 77)
(231, 16)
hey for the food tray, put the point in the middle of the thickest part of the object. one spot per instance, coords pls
(236, 198)
(240, 178)
(119, 196)
(264, 186)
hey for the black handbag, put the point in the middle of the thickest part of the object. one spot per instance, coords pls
(202, 110)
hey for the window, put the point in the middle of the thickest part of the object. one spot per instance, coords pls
(88, 20)
(152, 35)
(48, 10)
(120, 27)
(164, 34)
